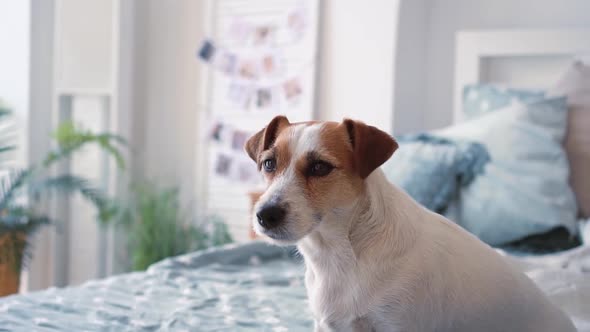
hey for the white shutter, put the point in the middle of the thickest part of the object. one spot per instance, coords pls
(225, 197)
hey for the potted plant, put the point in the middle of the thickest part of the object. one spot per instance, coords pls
(157, 227)
(21, 190)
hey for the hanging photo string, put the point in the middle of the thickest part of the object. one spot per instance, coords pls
(230, 160)
(254, 80)
(258, 79)
(236, 168)
(288, 30)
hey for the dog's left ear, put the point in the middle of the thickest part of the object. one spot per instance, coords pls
(371, 147)
(265, 138)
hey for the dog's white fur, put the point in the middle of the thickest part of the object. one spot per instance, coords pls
(385, 263)
(423, 273)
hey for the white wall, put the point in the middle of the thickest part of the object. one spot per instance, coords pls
(443, 19)
(357, 57)
(409, 102)
(15, 21)
(166, 81)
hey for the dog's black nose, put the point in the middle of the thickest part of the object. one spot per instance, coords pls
(270, 216)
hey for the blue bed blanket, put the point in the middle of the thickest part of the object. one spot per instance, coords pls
(254, 287)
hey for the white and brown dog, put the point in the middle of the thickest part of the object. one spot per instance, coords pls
(375, 259)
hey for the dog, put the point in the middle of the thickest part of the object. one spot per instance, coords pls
(376, 260)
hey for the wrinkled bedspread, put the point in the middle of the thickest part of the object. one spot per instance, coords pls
(565, 277)
(253, 287)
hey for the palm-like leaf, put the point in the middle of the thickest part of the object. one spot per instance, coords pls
(8, 137)
(21, 219)
(10, 186)
(69, 184)
(71, 139)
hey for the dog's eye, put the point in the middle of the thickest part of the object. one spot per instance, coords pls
(269, 165)
(319, 168)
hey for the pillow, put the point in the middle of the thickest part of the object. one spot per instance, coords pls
(524, 189)
(575, 84)
(585, 231)
(431, 169)
(479, 99)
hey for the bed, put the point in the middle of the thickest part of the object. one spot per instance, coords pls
(258, 287)
(252, 287)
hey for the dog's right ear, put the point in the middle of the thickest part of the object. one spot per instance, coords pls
(265, 138)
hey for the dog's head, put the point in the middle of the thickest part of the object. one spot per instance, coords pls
(312, 170)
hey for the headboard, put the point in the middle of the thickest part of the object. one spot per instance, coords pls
(518, 58)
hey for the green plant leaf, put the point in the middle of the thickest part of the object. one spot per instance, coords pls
(69, 184)
(70, 139)
(10, 185)
(220, 234)
(7, 148)
(157, 227)
(20, 218)
(8, 136)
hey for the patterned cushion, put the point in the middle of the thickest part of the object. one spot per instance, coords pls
(431, 169)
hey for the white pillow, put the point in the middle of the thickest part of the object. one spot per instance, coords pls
(524, 189)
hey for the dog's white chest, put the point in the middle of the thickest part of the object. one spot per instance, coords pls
(329, 302)
(339, 304)
(329, 297)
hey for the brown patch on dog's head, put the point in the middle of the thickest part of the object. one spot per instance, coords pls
(341, 186)
(371, 146)
(265, 138)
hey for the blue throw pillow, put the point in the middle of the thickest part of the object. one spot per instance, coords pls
(431, 169)
(524, 189)
(479, 99)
